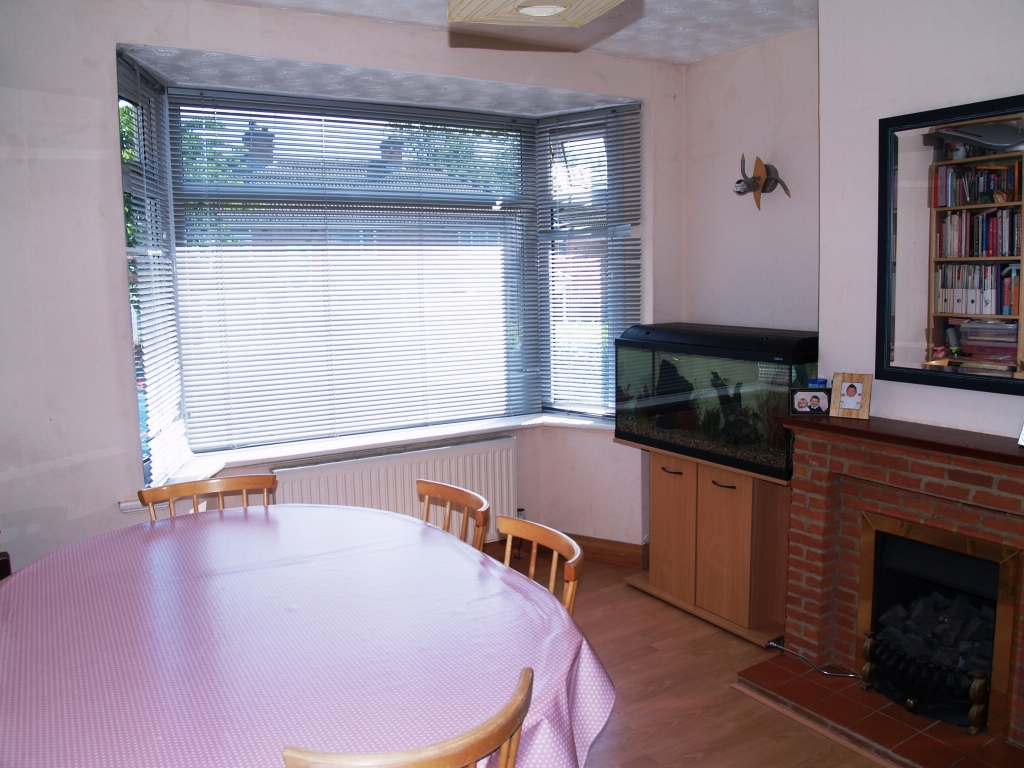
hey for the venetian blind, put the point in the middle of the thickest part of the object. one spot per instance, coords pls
(349, 268)
(149, 248)
(590, 257)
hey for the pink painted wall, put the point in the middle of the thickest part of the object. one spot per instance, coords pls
(880, 59)
(578, 480)
(70, 444)
(744, 266)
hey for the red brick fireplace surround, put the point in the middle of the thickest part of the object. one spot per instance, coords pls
(951, 480)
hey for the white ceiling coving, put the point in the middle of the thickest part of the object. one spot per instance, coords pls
(674, 31)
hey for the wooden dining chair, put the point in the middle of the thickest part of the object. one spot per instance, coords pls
(557, 542)
(472, 505)
(499, 732)
(217, 485)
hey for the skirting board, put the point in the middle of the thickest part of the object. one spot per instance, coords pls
(760, 636)
(612, 552)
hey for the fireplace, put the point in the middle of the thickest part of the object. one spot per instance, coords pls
(865, 495)
(932, 604)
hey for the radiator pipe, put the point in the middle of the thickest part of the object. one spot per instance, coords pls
(779, 643)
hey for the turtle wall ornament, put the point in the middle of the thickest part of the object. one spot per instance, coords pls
(765, 179)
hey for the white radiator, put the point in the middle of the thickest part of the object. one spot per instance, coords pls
(487, 467)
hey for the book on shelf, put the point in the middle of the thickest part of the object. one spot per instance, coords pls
(989, 341)
(1011, 290)
(984, 368)
(974, 184)
(989, 330)
(989, 233)
(975, 289)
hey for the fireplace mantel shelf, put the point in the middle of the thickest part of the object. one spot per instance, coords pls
(958, 442)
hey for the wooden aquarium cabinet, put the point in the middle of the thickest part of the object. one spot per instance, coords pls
(718, 545)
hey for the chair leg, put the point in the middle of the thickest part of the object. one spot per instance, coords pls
(508, 549)
(569, 595)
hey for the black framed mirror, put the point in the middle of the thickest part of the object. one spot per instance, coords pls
(949, 247)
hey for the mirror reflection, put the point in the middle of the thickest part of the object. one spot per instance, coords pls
(956, 253)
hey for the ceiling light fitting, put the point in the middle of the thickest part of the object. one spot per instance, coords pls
(542, 7)
(528, 13)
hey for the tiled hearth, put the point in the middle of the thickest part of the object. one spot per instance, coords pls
(941, 479)
(873, 722)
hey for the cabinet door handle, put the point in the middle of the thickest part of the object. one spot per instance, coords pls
(663, 469)
(730, 487)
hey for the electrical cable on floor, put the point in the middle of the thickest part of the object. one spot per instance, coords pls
(777, 643)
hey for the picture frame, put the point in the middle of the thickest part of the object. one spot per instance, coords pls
(852, 395)
(806, 396)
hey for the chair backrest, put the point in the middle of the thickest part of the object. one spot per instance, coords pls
(499, 732)
(557, 542)
(218, 485)
(473, 505)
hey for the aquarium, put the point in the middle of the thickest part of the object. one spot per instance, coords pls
(712, 392)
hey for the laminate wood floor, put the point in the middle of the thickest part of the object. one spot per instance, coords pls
(673, 675)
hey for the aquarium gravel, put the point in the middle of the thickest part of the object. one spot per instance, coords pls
(759, 454)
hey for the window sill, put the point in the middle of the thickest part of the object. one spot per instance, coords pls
(336, 449)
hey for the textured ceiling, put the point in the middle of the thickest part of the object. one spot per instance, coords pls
(186, 68)
(675, 31)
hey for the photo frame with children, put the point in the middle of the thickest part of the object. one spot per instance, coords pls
(852, 395)
(804, 401)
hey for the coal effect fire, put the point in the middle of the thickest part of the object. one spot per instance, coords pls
(926, 654)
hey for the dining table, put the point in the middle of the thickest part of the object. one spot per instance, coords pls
(215, 639)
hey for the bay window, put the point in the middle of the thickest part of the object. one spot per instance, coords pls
(305, 269)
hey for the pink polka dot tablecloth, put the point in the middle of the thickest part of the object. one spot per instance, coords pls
(214, 640)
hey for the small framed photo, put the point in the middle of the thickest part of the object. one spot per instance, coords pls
(852, 398)
(808, 402)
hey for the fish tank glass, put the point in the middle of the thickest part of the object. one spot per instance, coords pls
(712, 392)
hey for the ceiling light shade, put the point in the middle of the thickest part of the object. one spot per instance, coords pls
(527, 13)
(542, 7)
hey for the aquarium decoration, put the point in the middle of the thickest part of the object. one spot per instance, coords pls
(712, 392)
